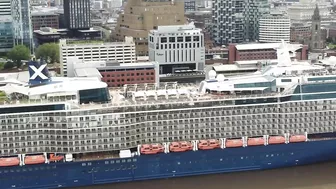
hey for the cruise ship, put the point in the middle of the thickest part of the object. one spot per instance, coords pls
(66, 132)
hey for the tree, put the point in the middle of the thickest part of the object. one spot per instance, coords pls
(19, 53)
(48, 51)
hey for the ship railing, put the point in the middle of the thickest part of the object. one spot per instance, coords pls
(172, 101)
(320, 139)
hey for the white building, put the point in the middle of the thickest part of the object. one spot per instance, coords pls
(122, 52)
(179, 47)
(304, 10)
(274, 27)
(5, 7)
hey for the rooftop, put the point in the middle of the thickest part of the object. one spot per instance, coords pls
(176, 28)
(87, 72)
(255, 46)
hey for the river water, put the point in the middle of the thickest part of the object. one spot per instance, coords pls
(318, 176)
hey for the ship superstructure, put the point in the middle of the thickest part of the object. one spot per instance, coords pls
(164, 129)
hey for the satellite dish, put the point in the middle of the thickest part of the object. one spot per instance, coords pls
(220, 77)
(212, 74)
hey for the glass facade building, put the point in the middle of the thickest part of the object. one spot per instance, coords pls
(6, 34)
(22, 24)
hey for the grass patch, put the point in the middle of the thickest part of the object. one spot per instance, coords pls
(2, 65)
(332, 46)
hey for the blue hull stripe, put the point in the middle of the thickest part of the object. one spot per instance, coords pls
(145, 167)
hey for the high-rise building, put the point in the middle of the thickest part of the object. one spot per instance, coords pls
(77, 14)
(274, 27)
(5, 7)
(189, 5)
(6, 31)
(237, 21)
(228, 22)
(253, 11)
(22, 24)
(177, 48)
(141, 16)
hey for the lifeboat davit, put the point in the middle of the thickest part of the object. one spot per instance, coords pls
(297, 138)
(234, 143)
(36, 159)
(276, 140)
(255, 141)
(54, 157)
(180, 146)
(208, 144)
(151, 149)
(9, 161)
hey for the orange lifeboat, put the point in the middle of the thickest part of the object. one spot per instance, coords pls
(151, 149)
(36, 159)
(297, 138)
(180, 146)
(54, 157)
(208, 144)
(234, 143)
(255, 141)
(276, 140)
(9, 161)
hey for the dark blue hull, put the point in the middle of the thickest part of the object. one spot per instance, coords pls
(145, 167)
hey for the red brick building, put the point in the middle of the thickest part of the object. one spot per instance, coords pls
(130, 73)
(300, 33)
(45, 19)
(260, 51)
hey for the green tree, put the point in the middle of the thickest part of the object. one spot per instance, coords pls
(48, 51)
(19, 53)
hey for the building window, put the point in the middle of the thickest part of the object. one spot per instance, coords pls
(163, 40)
(179, 39)
(172, 39)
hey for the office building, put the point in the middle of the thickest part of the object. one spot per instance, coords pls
(228, 22)
(274, 28)
(121, 52)
(6, 34)
(237, 21)
(45, 19)
(5, 7)
(303, 11)
(177, 48)
(139, 17)
(22, 24)
(253, 11)
(77, 14)
(300, 32)
(189, 6)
